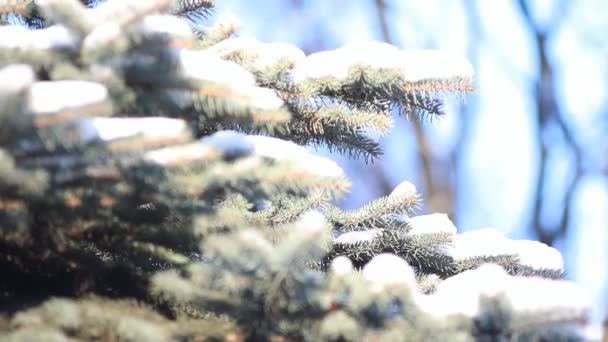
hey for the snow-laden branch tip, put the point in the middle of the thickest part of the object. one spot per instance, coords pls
(461, 294)
(388, 269)
(164, 24)
(233, 145)
(430, 224)
(311, 221)
(15, 79)
(354, 237)
(259, 55)
(48, 97)
(264, 99)
(55, 37)
(405, 189)
(108, 129)
(337, 63)
(341, 266)
(490, 242)
(204, 66)
(413, 65)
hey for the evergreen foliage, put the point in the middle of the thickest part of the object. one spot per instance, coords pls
(153, 187)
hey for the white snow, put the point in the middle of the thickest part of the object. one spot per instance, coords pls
(107, 129)
(319, 65)
(234, 144)
(15, 78)
(528, 294)
(179, 154)
(341, 265)
(312, 220)
(201, 65)
(261, 98)
(490, 242)
(460, 294)
(271, 53)
(54, 37)
(13, 36)
(357, 236)
(388, 269)
(336, 63)
(262, 54)
(432, 223)
(404, 189)
(49, 97)
(538, 255)
(102, 36)
(414, 64)
(169, 24)
(234, 45)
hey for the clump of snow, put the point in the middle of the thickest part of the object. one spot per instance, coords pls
(460, 294)
(490, 242)
(529, 294)
(201, 65)
(52, 37)
(432, 223)
(55, 37)
(312, 220)
(341, 265)
(107, 129)
(388, 269)
(404, 189)
(168, 24)
(15, 78)
(319, 65)
(414, 65)
(179, 154)
(357, 236)
(51, 97)
(336, 63)
(261, 98)
(14, 36)
(103, 35)
(261, 55)
(271, 53)
(234, 144)
(205, 66)
(538, 255)
(231, 46)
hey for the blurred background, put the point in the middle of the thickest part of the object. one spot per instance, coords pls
(526, 153)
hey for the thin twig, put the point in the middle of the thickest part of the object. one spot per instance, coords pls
(424, 151)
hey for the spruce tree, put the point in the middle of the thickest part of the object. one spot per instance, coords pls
(156, 185)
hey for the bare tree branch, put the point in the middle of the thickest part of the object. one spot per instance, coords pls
(547, 112)
(424, 150)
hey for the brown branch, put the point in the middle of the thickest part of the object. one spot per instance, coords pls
(548, 112)
(424, 151)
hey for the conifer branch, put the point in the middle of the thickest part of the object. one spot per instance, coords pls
(119, 179)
